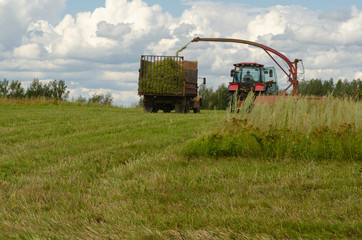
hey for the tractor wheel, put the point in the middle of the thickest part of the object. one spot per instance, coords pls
(230, 99)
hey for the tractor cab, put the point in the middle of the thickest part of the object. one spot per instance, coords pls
(264, 79)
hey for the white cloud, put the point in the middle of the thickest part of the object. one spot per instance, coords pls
(112, 31)
(339, 15)
(358, 75)
(272, 22)
(17, 15)
(101, 49)
(163, 47)
(350, 31)
(28, 51)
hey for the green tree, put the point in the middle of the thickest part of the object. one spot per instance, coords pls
(16, 90)
(4, 88)
(206, 94)
(107, 100)
(220, 97)
(338, 89)
(81, 99)
(58, 90)
(356, 92)
(342, 88)
(101, 99)
(52, 90)
(316, 87)
(36, 89)
(327, 87)
(214, 99)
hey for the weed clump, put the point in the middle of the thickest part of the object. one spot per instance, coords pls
(330, 129)
(162, 77)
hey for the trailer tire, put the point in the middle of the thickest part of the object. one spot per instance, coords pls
(154, 109)
(187, 106)
(147, 108)
(180, 108)
(167, 108)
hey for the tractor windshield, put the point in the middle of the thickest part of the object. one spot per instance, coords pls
(247, 75)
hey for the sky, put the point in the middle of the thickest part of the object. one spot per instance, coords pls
(95, 45)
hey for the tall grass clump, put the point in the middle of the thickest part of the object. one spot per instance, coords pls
(305, 128)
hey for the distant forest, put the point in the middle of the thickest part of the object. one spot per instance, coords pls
(54, 90)
(212, 99)
(216, 99)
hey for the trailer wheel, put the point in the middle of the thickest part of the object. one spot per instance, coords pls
(187, 106)
(147, 108)
(154, 109)
(168, 108)
(180, 108)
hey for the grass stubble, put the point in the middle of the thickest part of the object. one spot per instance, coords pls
(87, 172)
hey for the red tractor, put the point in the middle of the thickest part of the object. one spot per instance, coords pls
(252, 77)
(255, 77)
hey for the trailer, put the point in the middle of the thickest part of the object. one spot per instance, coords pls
(168, 83)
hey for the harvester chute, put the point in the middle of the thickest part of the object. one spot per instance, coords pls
(291, 72)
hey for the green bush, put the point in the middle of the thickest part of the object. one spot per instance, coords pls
(101, 99)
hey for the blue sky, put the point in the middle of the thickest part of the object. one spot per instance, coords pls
(176, 7)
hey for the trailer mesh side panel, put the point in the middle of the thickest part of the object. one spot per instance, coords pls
(190, 69)
(162, 75)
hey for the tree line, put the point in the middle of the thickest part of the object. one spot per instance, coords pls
(211, 99)
(217, 99)
(318, 87)
(100, 99)
(214, 99)
(54, 90)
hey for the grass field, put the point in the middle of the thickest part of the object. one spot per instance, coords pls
(69, 171)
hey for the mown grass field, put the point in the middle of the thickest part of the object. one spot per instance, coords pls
(84, 172)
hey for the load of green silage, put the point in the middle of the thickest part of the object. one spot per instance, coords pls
(163, 77)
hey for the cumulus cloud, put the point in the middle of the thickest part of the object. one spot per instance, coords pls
(112, 31)
(339, 15)
(29, 51)
(99, 51)
(17, 15)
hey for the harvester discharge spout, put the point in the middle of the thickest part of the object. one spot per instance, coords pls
(291, 72)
